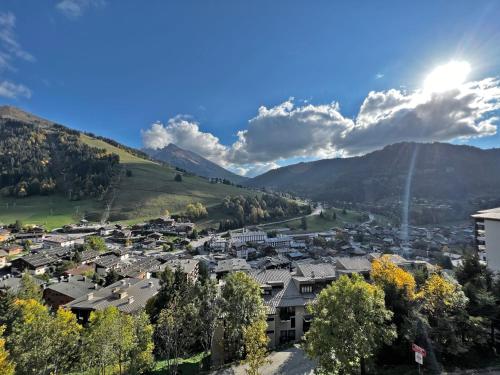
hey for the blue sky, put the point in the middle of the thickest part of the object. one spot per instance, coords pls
(116, 67)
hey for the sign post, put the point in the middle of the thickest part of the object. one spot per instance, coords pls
(420, 353)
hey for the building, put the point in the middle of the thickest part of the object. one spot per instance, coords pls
(248, 236)
(3, 258)
(286, 296)
(64, 240)
(35, 264)
(127, 295)
(231, 265)
(349, 265)
(68, 289)
(487, 236)
(279, 242)
(13, 249)
(4, 234)
(190, 267)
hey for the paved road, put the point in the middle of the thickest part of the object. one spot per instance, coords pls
(287, 362)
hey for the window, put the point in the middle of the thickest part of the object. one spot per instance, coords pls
(270, 332)
(287, 312)
(270, 319)
(292, 322)
(306, 289)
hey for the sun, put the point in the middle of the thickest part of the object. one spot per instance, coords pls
(447, 77)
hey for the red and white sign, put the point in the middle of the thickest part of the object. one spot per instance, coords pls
(418, 349)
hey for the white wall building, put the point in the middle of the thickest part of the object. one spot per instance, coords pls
(248, 236)
(487, 234)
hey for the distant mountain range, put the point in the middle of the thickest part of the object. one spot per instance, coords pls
(442, 172)
(192, 162)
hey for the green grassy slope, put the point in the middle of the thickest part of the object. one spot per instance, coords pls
(147, 193)
(151, 189)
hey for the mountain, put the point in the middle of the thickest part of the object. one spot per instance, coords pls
(192, 162)
(53, 175)
(442, 173)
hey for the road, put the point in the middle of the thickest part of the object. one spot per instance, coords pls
(286, 362)
(315, 212)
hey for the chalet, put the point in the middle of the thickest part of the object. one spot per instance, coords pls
(349, 265)
(4, 234)
(231, 265)
(12, 249)
(190, 267)
(68, 289)
(3, 258)
(36, 264)
(127, 295)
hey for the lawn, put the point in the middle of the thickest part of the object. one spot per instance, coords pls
(52, 211)
(187, 366)
(317, 223)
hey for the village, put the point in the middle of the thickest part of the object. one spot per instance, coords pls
(87, 267)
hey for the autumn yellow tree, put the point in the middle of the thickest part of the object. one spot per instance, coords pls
(7, 367)
(256, 341)
(385, 272)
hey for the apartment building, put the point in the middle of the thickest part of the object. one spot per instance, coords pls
(286, 296)
(487, 236)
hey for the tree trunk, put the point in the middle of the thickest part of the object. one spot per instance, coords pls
(363, 366)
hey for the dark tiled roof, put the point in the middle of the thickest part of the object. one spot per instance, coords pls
(135, 294)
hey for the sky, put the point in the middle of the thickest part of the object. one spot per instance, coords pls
(254, 85)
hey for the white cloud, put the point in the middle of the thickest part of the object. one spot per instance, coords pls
(185, 133)
(10, 51)
(379, 76)
(13, 91)
(288, 131)
(10, 48)
(76, 8)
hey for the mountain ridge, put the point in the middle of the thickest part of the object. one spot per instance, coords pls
(192, 162)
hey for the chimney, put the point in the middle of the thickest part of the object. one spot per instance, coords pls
(90, 296)
(130, 300)
(150, 284)
(95, 286)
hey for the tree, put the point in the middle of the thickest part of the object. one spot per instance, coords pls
(256, 341)
(175, 332)
(350, 322)
(242, 305)
(178, 177)
(449, 327)
(141, 355)
(41, 343)
(29, 289)
(111, 277)
(7, 367)
(196, 210)
(386, 274)
(303, 223)
(102, 339)
(95, 243)
(209, 305)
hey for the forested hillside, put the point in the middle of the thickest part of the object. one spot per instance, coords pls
(41, 160)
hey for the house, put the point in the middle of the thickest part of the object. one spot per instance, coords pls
(3, 258)
(4, 234)
(127, 295)
(36, 264)
(106, 263)
(286, 296)
(349, 265)
(190, 267)
(68, 289)
(231, 265)
(12, 249)
(64, 240)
